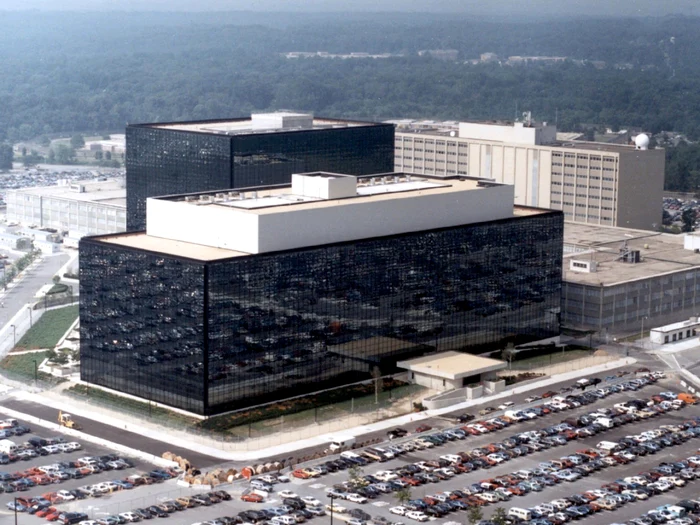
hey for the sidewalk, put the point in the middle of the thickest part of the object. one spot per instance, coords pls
(182, 440)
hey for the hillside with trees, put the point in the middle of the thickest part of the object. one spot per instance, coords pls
(64, 73)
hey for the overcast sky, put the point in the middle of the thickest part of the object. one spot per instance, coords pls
(482, 7)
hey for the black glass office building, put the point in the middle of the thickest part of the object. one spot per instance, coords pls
(174, 158)
(214, 335)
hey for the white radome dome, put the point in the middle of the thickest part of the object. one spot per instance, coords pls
(641, 141)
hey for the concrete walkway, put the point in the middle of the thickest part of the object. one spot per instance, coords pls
(210, 447)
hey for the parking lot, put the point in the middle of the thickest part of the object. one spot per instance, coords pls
(148, 494)
(379, 507)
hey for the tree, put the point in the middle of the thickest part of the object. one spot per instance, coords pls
(403, 495)
(77, 141)
(355, 476)
(52, 156)
(509, 353)
(688, 218)
(56, 279)
(378, 383)
(98, 155)
(6, 155)
(475, 515)
(24, 151)
(65, 154)
(499, 516)
(108, 155)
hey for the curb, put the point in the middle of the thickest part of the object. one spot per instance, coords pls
(89, 438)
(291, 447)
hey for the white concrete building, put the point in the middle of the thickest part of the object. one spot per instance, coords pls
(675, 332)
(324, 208)
(595, 183)
(451, 370)
(81, 208)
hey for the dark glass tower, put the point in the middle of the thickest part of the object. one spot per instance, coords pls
(187, 157)
(212, 334)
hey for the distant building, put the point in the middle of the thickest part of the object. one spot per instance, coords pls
(234, 298)
(181, 157)
(440, 54)
(81, 207)
(595, 183)
(615, 279)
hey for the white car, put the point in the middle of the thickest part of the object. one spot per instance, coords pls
(131, 517)
(310, 500)
(287, 494)
(284, 520)
(399, 511)
(505, 405)
(65, 495)
(356, 498)
(268, 478)
(416, 515)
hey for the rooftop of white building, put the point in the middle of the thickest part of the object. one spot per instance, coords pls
(659, 253)
(110, 192)
(316, 209)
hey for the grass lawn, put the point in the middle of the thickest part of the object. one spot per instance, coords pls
(132, 406)
(47, 331)
(21, 367)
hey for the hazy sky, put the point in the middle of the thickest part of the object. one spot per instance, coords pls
(482, 7)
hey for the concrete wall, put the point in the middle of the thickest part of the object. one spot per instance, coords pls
(434, 383)
(640, 189)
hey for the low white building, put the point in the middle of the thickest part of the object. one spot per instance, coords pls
(675, 332)
(82, 208)
(451, 370)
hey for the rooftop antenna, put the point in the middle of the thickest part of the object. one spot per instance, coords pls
(516, 111)
(556, 117)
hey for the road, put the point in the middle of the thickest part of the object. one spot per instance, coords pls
(157, 447)
(16, 298)
(114, 434)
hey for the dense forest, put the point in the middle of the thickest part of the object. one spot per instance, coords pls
(90, 72)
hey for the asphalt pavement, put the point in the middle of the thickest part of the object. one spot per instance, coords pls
(113, 434)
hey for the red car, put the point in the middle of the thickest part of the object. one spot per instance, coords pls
(53, 516)
(252, 498)
(42, 513)
(423, 428)
(300, 474)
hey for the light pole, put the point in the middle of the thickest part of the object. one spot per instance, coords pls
(15, 510)
(31, 321)
(45, 301)
(14, 335)
(36, 371)
(641, 334)
(331, 509)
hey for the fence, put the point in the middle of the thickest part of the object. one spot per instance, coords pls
(270, 432)
(553, 364)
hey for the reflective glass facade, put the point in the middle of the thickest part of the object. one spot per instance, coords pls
(166, 162)
(228, 334)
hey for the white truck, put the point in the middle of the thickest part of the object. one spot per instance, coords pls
(340, 443)
(7, 446)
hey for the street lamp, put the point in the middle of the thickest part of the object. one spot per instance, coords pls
(333, 498)
(36, 374)
(31, 321)
(14, 335)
